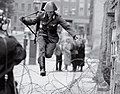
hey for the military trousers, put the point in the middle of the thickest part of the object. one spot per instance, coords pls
(46, 50)
(59, 62)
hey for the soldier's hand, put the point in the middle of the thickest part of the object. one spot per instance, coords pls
(76, 37)
(22, 19)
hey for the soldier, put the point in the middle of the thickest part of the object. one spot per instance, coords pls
(11, 54)
(47, 22)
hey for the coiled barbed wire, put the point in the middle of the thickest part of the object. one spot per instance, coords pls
(73, 81)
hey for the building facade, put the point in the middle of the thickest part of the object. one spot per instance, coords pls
(21, 8)
(75, 11)
(114, 10)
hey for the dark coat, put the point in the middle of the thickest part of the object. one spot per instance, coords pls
(11, 54)
(78, 54)
(51, 28)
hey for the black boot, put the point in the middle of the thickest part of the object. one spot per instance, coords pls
(60, 65)
(56, 65)
(43, 72)
(81, 70)
(41, 62)
(74, 67)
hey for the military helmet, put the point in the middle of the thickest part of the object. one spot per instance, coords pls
(43, 5)
(1, 12)
(50, 6)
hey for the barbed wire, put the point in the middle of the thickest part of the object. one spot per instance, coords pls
(57, 82)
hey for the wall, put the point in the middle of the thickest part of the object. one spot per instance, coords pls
(97, 25)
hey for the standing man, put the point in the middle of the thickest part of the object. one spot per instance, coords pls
(11, 54)
(47, 22)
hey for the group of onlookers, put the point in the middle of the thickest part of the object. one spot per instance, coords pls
(73, 52)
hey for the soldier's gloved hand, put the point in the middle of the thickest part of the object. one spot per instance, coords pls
(76, 37)
(22, 19)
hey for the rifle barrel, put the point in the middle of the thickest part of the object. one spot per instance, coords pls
(32, 14)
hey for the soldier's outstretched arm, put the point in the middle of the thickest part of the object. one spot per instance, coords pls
(30, 21)
(67, 26)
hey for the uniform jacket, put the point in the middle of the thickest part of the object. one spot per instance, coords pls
(51, 28)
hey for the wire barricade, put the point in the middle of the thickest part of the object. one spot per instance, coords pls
(30, 82)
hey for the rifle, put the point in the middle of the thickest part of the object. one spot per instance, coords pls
(35, 34)
(32, 14)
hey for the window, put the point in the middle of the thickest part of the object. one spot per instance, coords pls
(22, 6)
(56, 0)
(29, 7)
(88, 1)
(22, 28)
(88, 10)
(82, 1)
(16, 5)
(81, 8)
(14, 28)
(65, 11)
(73, 0)
(88, 6)
(88, 30)
(36, 8)
(73, 10)
(81, 30)
(66, 0)
(15, 19)
(75, 25)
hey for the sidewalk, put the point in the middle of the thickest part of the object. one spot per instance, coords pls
(30, 82)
